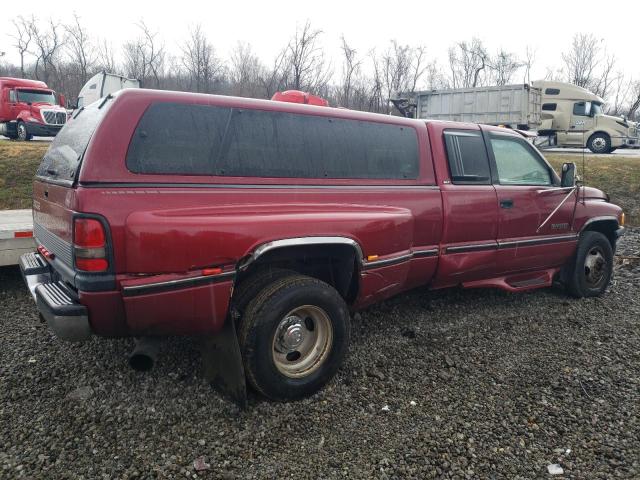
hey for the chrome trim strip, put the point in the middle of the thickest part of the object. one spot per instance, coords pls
(302, 241)
(247, 185)
(170, 284)
(425, 253)
(537, 241)
(471, 248)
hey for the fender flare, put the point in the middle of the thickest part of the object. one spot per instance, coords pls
(299, 241)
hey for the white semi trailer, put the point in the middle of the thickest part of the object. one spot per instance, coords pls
(101, 85)
(563, 115)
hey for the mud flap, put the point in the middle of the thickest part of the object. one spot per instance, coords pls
(222, 363)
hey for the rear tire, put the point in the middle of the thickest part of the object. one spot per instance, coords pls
(599, 143)
(590, 272)
(293, 337)
(253, 285)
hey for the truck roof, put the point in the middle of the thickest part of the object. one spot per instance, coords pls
(149, 95)
(22, 82)
(567, 91)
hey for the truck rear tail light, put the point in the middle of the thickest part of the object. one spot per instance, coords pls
(89, 245)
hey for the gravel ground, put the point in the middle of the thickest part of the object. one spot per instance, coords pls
(455, 384)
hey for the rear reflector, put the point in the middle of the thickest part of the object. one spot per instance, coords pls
(22, 234)
(212, 271)
(89, 241)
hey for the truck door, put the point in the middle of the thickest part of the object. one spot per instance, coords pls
(13, 103)
(580, 123)
(468, 249)
(527, 194)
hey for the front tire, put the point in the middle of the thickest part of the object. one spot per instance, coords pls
(293, 337)
(599, 143)
(23, 133)
(592, 267)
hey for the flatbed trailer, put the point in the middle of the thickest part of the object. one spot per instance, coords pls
(16, 235)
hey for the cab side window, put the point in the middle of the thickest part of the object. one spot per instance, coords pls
(467, 155)
(580, 108)
(517, 164)
(12, 96)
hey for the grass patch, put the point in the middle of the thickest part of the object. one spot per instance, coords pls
(18, 164)
(618, 176)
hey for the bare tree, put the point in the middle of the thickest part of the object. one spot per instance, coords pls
(276, 77)
(402, 67)
(351, 65)
(581, 60)
(246, 71)
(603, 81)
(467, 62)
(305, 61)
(635, 100)
(80, 49)
(435, 78)
(503, 67)
(530, 59)
(47, 42)
(106, 59)
(376, 101)
(199, 60)
(23, 39)
(622, 89)
(144, 56)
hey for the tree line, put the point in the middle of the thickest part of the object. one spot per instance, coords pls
(66, 55)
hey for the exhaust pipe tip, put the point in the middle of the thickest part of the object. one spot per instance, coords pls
(141, 362)
(144, 354)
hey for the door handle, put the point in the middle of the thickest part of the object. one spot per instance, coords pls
(506, 203)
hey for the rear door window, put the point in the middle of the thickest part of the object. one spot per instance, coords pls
(467, 155)
(207, 140)
(60, 163)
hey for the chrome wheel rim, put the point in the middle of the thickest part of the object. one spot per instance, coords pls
(302, 341)
(599, 143)
(595, 267)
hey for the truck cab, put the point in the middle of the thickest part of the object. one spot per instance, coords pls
(29, 108)
(576, 117)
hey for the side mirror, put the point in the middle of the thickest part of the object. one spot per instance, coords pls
(568, 178)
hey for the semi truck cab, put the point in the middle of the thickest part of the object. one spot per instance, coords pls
(29, 108)
(576, 117)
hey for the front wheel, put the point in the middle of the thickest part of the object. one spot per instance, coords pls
(23, 133)
(599, 143)
(293, 337)
(592, 268)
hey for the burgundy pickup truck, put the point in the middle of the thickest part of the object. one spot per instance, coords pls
(259, 226)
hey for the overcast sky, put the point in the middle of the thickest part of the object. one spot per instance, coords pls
(547, 26)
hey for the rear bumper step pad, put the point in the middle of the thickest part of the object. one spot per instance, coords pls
(67, 318)
(57, 303)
